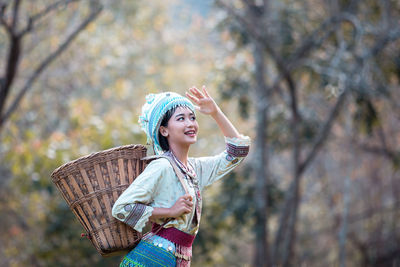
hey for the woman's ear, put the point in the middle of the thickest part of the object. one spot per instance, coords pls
(164, 131)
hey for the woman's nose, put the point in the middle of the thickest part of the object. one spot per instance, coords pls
(190, 123)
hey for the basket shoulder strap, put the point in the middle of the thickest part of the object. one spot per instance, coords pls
(177, 171)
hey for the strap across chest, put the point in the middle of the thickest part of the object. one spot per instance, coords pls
(177, 171)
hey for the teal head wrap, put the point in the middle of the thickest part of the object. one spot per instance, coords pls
(153, 112)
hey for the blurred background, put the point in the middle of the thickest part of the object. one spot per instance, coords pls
(315, 83)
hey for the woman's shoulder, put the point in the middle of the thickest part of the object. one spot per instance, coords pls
(156, 169)
(159, 164)
(197, 162)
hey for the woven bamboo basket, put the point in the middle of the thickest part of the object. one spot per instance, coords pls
(90, 185)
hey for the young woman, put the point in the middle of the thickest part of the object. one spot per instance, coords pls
(157, 195)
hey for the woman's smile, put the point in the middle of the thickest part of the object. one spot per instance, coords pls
(191, 133)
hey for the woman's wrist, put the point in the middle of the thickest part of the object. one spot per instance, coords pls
(159, 213)
(224, 124)
(216, 113)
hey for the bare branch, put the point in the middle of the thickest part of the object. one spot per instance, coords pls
(315, 39)
(14, 24)
(356, 217)
(254, 33)
(386, 152)
(291, 199)
(46, 62)
(51, 7)
(13, 55)
(319, 35)
(288, 247)
(3, 22)
(34, 18)
(385, 13)
(288, 213)
(11, 68)
(323, 134)
(381, 42)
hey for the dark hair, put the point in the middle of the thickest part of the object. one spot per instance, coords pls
(164, 122)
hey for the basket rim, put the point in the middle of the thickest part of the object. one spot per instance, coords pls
(77, 161)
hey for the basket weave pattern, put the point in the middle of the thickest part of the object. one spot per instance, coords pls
(90, 185)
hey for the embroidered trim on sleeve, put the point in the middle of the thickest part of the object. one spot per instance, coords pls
(237, 151)
(135, 214)
(239, 141)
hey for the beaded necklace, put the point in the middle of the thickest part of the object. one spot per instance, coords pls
(193, 182)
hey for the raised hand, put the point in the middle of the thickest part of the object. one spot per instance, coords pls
(202, 100)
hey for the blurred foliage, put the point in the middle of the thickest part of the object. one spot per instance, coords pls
(90, 98)
(363, 138)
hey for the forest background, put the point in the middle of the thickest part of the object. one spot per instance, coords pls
(315, 83)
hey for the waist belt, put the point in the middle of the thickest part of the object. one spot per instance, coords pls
(174, 235)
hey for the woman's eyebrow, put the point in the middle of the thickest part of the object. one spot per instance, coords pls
(180, 114)
(183, 114)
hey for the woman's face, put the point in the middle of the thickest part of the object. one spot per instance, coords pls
(182, 128)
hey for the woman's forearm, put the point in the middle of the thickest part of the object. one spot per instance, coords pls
(159, 213)
(183, 205)
(225, 124)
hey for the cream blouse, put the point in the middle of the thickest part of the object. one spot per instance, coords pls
(158, 186)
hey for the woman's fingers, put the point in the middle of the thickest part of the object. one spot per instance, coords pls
(193, 98)
(205, 91)
(198, 97)
(187, 196)
(186, 201)
(183, 205)
(186, 208)
(196, 92)
(189, 203)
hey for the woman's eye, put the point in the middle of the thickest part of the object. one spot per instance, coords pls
(180, 119)
(193, 118)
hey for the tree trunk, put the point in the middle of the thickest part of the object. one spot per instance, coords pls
(261, 160)
(346, 201)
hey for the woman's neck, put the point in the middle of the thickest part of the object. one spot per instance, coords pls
(181, 153)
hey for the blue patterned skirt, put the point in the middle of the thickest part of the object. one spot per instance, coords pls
(150, 252)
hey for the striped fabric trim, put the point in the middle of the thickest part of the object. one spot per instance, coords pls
(237, 151)
(135, 214)
(147, 254)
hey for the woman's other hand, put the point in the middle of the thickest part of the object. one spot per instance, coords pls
(183, 205)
